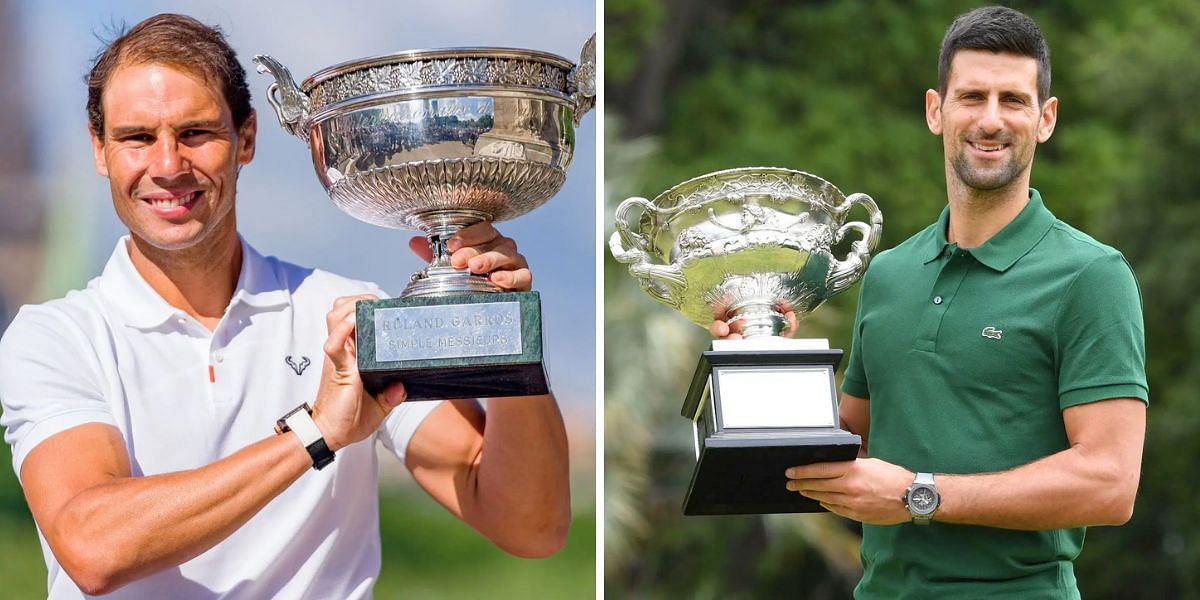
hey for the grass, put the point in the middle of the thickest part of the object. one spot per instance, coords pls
(429, 553)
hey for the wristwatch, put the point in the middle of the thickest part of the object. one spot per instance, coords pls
(300, 422)
(922, 498)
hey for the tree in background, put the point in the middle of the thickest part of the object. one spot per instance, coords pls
(836, 88)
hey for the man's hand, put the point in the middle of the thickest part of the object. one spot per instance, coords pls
(344, 412)
(868, 490)
(722, 330)
(484, 251)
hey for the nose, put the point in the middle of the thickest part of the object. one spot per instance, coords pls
(990, 121)
(166, 160)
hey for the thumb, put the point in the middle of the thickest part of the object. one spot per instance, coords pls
(420, 246)
(338, 346)
(393, 396)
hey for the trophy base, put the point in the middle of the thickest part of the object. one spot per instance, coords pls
(465, 346)
(438, 282)
(740, 473)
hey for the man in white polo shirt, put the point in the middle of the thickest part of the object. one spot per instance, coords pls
(140, 410)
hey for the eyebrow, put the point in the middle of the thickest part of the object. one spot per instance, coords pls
(197, 124)
(979, 90)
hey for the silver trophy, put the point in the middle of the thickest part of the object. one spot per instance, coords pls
(753, 247)
(437, 140)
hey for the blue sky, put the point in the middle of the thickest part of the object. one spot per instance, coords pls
(282, 207)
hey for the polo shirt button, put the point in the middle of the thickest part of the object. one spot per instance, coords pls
(219, 356)
(937, 299)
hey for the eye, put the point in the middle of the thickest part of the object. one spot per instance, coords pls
(195, 133)
(136, 138)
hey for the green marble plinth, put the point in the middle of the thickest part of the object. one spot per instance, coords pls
(468, 346)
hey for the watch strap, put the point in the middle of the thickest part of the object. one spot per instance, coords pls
(300, 422)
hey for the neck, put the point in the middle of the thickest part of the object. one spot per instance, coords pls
(199, 281)
(977, 215)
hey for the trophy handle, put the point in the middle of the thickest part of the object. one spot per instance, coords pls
(629, 247)
(291, 104)
(843, 273)
(581, 81)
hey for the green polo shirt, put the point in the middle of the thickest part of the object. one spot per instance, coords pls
(968, 358)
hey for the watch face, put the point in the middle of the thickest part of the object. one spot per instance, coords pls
(922, 500)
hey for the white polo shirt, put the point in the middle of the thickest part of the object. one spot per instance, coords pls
(183, 397)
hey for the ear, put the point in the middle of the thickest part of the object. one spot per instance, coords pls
(933, 111)
(247, 136)
(1048, 120)
(98, 153)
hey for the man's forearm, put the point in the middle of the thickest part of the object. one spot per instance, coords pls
(132, 527)
(522, 490)
(1092, 482)
(1066, 489)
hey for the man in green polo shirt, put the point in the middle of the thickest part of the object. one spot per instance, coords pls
(997, 371)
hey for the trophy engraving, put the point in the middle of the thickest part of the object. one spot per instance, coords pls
(434, 141)
(749, 246)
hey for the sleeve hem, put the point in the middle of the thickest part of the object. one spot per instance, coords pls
(855, 387)
(45, 428)
(1102, 392)
(402, 427)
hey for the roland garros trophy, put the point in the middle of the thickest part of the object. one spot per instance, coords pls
(437, 140)
(749, 246)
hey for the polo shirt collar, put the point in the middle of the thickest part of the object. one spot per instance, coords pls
(141, 307)
(1005, 248)
(258, 285)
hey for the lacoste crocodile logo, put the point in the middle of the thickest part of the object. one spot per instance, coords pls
(298, 368)
(988, 332)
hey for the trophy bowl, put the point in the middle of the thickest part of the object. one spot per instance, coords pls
(436, 140)
(748, 244)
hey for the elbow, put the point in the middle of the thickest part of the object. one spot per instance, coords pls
(1117, 505)
(540, 539)
(90, 566)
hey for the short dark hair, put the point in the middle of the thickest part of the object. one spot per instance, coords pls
(998, 29)
(175, 40)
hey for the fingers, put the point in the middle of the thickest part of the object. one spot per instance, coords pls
(722, 331)
(419, 244)
(475, 235)
(824, 470)
(485, 257)
(519, 280)
(343, 309)
(339, 346)
(392, 396)
(482, 250)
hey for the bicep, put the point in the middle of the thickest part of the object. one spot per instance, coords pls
(1109, 431)
(68, 463)
(855, 413)
(445, 450)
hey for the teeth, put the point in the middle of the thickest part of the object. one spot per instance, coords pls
(988, 148)
(171, 202)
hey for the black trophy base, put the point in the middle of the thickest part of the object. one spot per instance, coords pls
(742, 472)
(465, 346)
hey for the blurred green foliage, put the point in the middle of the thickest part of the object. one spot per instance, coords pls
(836, 88)
(427, 552)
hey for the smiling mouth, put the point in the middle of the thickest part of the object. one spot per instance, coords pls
(173, 202)
(988, 147)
